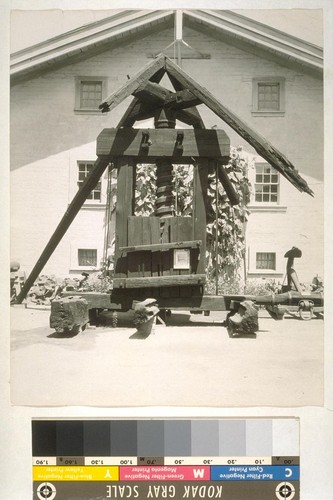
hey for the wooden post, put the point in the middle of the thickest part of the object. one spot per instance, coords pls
(200, 181)
(70, 214)
(125, 208)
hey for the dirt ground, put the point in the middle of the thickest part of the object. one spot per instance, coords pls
(192, 361)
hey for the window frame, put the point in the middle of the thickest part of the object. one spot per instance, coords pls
(78, 83)
(265, 269)
(253, 249)
(266, 203)
(87, 266)
(255, 96)
(88, 201)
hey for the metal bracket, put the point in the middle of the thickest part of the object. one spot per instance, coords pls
(145, 141)
(179, 141)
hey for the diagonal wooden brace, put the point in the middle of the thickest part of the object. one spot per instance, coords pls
(69, 216)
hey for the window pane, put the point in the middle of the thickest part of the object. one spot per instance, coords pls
(266, 260)
(84, 170)
(267, 184)
(268, 96)
(87, 257)
(90, 94)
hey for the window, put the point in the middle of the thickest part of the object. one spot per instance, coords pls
(89, 93)
(87, 257)
(268, 97)
(266, 184)
(84, 169)
(266, 260)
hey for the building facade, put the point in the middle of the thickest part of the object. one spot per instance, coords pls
(271, 80)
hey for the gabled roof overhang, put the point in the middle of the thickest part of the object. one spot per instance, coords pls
(260, 36)
(61, 49)
(79, 43)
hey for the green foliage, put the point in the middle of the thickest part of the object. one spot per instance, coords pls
(227, 224)
(145, 190)
(183, 190)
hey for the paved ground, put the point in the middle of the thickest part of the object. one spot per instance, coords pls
(191, 362)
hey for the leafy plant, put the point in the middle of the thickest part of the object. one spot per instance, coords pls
(226, 224)
(145, 187)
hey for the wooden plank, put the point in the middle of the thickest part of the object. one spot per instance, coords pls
(260, 144)
(124, 209)
(146, 241)
(182, 228)
(117, 301)
(70, 214)
(155, 247)
(155, 238)
(182, 99)
(137, 110)
(132, 84)
(190, 117)
(196, 143)
(200, 183)
(140, 111)
(96, 300)
(159, 281)
(152, 94)
(134, 238)
(166, 262)
(178, 86)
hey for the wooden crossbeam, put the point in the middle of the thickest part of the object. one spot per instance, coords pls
(182, 99)
(132, 84)
(136, 110)
(178, 86)
(156, 95)
(156, 247)
(260, 144)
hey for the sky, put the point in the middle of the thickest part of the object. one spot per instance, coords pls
(29, 27)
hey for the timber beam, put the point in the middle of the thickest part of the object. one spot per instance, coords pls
(179, 144)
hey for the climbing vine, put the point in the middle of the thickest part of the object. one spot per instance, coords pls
(226, 224)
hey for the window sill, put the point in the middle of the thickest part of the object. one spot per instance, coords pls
(83, 269)
(88, 111)
(268, 113)
(267, 208)
(93, 206)
(267, 273)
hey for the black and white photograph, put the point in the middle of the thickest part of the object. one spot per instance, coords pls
(167, 207)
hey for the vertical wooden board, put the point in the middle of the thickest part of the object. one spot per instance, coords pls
(134, 259)
(135, 230)
(166, 258)
(124, 209)
(155, 238)
(181, 229)
(146, 240)
(200, 178)
(165, 261)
